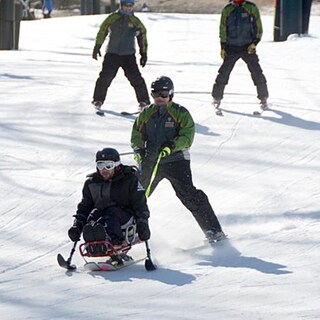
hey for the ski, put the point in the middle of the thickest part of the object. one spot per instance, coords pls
(257, 113)
(125, 113)
(100, 113)
(65, 264)
(111, 265)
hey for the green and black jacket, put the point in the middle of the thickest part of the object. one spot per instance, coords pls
(240, 25)
(122, 30)
(157, 125)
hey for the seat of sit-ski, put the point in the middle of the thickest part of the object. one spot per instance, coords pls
(129, 230)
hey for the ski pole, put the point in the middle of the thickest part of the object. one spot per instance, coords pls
(126, 153)
(153, 175)
(149, 265)
(72, 252)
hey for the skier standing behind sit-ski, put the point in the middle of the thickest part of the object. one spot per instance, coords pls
(165, 128)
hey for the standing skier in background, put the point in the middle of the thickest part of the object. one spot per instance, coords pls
(47, 8)
(122, 27)
(240, 32)
(167, 129)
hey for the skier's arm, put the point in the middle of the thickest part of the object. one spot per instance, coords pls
(185, 136)
(223, 24)
(140, 208)
(86, 205)
(257, 18)
(136, 134)
(104, 28)
(138, 199)
(253, 11)
(141, 34)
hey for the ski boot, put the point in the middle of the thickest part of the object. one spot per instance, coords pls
(214, 236)
(216, 103)
(97, 104)
(264, 104)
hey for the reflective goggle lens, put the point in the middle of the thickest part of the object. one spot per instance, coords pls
(162, 94)
(107, 164)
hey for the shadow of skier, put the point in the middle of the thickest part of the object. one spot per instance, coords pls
(225, 255)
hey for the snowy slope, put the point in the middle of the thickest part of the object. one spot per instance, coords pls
(261, 175)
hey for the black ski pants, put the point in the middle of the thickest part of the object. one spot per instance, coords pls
(111, 64)
(179, 175)
(112, 218)
(254, 67)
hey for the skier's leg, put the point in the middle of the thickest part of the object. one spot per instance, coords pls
(223, 75)
(135, 78)
(257, 75)
(110, 66)
(195, 200)
(115, 217)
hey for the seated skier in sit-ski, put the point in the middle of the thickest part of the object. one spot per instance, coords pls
(110, 197)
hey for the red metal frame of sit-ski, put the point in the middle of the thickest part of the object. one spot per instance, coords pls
(111, 249)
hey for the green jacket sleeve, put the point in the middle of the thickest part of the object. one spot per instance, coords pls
(136, 133)
(185, 136)
(103, 31)
(223, 25)
(141, 34)
(254, 12)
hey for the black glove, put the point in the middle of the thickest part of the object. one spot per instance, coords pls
(143, 229)
(74, 232)
(96, 51)
(143, 59)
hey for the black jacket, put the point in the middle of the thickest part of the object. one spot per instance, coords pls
(123, 190)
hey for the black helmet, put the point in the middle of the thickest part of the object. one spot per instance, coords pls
(163, 83)
(108, 154)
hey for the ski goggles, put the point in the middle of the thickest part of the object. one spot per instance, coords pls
(107, 164)
(163, 94)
